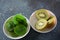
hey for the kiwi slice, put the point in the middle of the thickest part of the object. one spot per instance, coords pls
(20, 30)
(10, 25)
(41, 24)
(42, 14)
(19, 18)
(13, 34)
(51, 20)
(14, 20)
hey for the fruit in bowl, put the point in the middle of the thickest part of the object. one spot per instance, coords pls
(16, 26)
(43, 21)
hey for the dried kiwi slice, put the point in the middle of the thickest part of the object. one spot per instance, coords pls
(10, 25)
(18, 18)
(14, 20)
(20, 30)
(13, 34)
(51, 20)
(42, 14)
(41, 24)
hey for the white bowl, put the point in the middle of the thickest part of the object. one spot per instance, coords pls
(33, 20)
(9, 36)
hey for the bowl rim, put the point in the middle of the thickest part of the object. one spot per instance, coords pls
(45, 31)
(19, 36)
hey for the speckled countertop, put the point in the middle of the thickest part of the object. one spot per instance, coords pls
(26, 7)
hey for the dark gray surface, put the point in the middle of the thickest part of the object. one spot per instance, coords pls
(26, 7)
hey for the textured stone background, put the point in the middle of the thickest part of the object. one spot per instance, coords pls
(26, 7)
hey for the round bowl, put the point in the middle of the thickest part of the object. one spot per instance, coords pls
(33, 20)
(19, 37)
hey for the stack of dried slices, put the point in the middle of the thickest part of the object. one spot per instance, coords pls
(16, 25)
